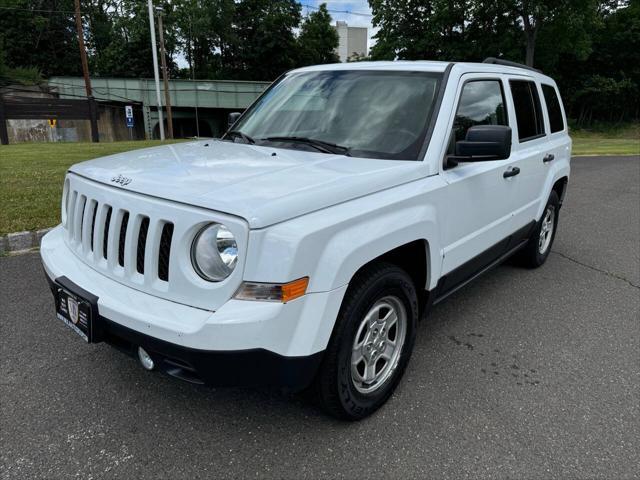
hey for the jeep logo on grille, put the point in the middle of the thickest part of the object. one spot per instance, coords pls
(122, 181)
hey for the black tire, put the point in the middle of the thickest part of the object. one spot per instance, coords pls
(531, 255)
(333, 386)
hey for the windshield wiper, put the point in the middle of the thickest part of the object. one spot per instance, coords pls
(242, 135)
(321, 145)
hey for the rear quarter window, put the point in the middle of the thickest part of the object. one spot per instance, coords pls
(556, 121)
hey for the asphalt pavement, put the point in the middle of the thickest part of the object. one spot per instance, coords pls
(523, 374)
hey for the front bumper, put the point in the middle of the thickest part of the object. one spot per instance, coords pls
(215, 368)
(243, 343)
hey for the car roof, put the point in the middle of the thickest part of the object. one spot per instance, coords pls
(421, 65)
(427, 66)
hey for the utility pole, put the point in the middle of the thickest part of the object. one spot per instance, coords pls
(155, 67)
(83, 52)
(193, 71)
(165, 75)
(93, 107)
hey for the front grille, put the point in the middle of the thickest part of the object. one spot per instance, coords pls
(123, 235)
(143, 242)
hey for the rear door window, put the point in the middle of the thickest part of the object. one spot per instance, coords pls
(556, 121)
(526, 102)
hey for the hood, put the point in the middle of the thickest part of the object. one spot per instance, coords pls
(263, 185)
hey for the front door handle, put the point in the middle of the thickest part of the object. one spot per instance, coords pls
(511, 173)
(549, 157)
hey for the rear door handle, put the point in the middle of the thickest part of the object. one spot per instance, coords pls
(549, 157)
(511, 173)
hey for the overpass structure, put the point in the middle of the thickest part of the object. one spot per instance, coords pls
(199, 107)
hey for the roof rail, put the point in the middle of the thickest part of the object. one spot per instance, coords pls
(508, 63)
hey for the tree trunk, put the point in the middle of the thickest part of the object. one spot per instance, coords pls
(530, 32)
(531, 48)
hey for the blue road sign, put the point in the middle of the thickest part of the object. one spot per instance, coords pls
(128, 113)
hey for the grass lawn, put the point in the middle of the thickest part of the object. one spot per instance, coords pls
(606, 146)
(31, 177)
(31, 174)
(622, 141)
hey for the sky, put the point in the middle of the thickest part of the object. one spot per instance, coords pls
(355, 12)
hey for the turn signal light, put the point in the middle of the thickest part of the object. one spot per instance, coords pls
(272, 292)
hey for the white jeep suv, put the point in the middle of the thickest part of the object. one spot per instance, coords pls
(301, 249)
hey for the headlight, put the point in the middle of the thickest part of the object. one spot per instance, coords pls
(214, 252)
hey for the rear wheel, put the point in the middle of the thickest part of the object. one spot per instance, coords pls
(537, 249)
(371, 343)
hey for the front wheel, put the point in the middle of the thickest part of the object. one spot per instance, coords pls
(371, 343)
(537, 249)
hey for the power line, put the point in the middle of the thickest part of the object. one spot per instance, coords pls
(39, 10)
(73, 85)
(71, 12)
(331, 10)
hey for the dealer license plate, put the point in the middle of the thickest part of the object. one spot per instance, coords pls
(75, 312)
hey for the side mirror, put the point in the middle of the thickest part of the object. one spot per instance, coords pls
(483, 143)
(232, 118)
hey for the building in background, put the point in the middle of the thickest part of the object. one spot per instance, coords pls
(352, 41)
(200, 108)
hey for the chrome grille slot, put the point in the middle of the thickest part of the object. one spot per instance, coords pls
(71, 208)
(142, 245)
(78, 214)
(164, 252)
(86, 231)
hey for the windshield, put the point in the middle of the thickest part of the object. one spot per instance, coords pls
(375, 114)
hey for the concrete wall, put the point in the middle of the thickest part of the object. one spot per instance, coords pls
(30, 131)
(343, 40)
(111, 125)
(351, 40)
(357, 41)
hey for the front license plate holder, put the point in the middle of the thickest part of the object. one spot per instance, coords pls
(78, 309)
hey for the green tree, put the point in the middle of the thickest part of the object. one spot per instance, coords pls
(119, 39)
(566, 24)
(318, 39)
(39, 34)
(19, 75)
(262, 44)
(422, 29)
(475, 29)
(358, 57)
(606, 86)
(204, 31)
(493, 32)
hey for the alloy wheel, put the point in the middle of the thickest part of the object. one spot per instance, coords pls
(546, 229)
(378, 344)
